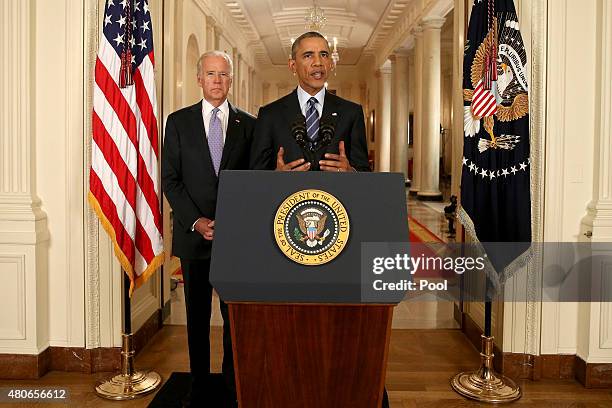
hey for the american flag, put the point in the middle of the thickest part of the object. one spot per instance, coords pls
(123, 179)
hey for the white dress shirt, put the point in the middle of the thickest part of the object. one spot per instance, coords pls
(304, 96)
(223, 115)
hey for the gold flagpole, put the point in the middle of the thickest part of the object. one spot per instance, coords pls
(484, 384)
(129, 383)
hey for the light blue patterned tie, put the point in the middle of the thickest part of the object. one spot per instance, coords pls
(312, 120)
(215, 140)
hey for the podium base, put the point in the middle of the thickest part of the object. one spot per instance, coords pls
(484, 384)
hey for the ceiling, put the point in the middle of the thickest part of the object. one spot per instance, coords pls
(359, 25)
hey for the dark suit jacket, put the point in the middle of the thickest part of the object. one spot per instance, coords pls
(273, 130)
(188, 176)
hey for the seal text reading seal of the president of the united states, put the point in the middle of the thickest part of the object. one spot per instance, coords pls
(311, 227)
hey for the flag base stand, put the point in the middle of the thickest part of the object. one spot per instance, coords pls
(484, 384)
(130, 384)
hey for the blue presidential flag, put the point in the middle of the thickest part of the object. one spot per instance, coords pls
(495, 182)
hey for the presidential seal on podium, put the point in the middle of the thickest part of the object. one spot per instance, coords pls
(311, 227)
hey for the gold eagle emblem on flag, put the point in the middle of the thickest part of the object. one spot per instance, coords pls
(499, 82)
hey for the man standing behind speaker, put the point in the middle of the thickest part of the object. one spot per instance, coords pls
(310, 129)
(201, 140)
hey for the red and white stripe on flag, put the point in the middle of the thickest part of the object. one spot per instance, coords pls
(484, 103)
(123, 179)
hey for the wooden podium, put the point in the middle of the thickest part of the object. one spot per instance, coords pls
(302, 335)
(301, 355)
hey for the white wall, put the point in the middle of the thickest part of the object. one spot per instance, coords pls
(569, 147)
(575, 60)
(42, 262)
(24, 237)
(60, 161)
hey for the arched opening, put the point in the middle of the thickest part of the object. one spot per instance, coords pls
(192, 93)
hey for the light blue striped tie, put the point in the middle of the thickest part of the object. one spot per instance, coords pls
(312, 120)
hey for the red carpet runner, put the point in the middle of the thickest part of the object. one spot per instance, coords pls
(419, 233)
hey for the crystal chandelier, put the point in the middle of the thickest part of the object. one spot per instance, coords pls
(315, 21)
(315, 18)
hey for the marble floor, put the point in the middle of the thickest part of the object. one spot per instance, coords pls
(430, 215)
(426, 314)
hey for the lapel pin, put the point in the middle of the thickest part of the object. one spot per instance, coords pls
(237, 120)
(334, 114)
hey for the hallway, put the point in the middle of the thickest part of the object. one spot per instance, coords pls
(402, 62)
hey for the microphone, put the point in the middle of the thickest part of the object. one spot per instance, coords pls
(327, 130)
(298, 131)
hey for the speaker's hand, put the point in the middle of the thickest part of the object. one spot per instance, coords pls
(336, 162)
(296, 165)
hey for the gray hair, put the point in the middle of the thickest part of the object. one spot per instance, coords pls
(215, 53)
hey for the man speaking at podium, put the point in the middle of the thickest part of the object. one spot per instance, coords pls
(310, 129)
